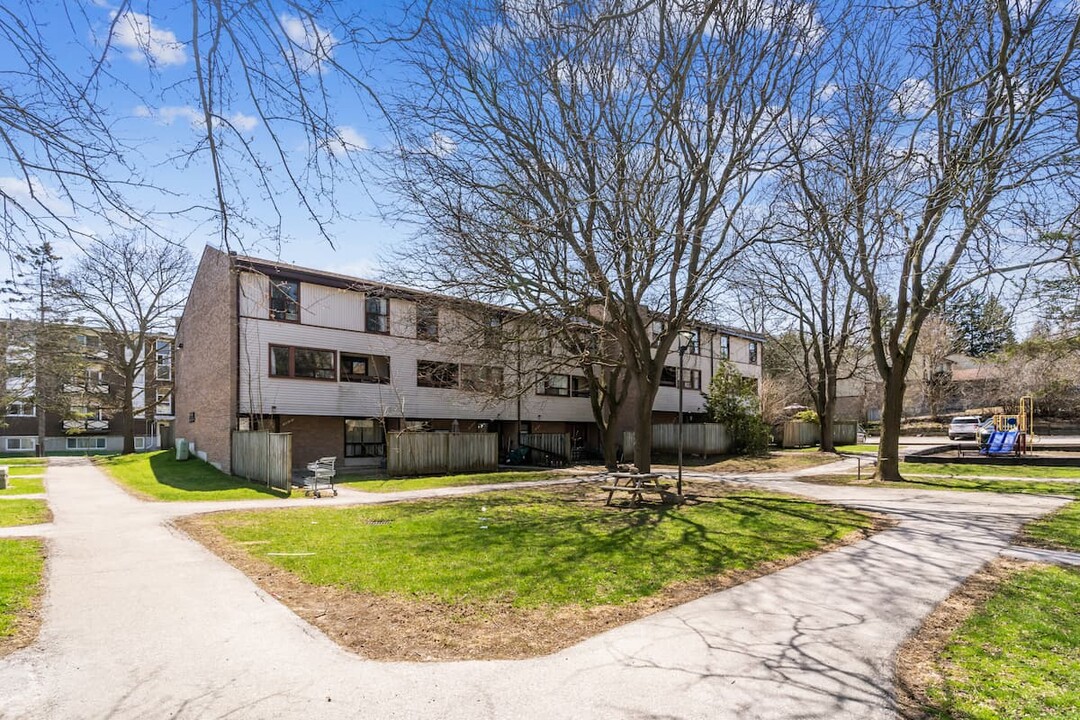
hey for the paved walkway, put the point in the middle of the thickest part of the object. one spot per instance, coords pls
(1056, 557)
(142, 622)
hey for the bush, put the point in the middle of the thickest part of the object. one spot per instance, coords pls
(734, 403)
(807, 416)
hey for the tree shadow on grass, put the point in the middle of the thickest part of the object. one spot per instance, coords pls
(195, 476)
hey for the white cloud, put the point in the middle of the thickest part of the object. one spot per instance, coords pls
(442, 145)
(347, 140)
(135, 33)
(912, 97)
(34, 193)
(169, 114)
(311, 45)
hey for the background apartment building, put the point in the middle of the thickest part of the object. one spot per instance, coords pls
(338, 362)
(91, 422)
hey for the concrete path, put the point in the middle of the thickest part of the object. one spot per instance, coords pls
(141, 622)
(1055, 557)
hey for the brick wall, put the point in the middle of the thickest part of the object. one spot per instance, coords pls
(205, 360)
(314, 437)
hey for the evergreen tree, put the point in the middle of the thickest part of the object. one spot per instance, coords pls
(733, 402)
(981, 324)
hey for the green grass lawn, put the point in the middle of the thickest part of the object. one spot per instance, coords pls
(159, 476)
(1018, 657)
(1034, 487)
(21, 564)
(382, 485)
(25, 469)
(24, 486)
(1059, 530)
(857, 448)
(967, 470)
(23, 512)
(20, 461)
(534, 549)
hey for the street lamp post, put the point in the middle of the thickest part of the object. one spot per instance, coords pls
(685, 338)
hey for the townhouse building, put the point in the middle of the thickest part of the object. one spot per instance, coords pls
(91, 422)
(339, 361)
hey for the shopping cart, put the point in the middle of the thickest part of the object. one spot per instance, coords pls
(322, 477)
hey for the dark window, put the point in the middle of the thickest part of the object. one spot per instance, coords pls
(482, 378)
(302, 362)
(692, 379)
(753, 353)
(668, 375)
(377, 315)
(284, 300)
(436, 374)
(493, 332)
(364, 438)
(725, 347)
(427, 322)
(365, 368)
(579, 386)
(554, 385)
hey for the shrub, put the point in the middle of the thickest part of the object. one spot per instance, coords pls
(733, 402)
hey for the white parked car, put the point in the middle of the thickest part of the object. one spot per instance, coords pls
(965, 427)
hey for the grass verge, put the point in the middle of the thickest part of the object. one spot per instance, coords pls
(25, 469)
(968, 470)
(22, 563)
(23, 512)
(20, 485)
(159, 476)
(513, 574)
(1058, 531)
(1032, 487)
(384, 485)
(1005, 645)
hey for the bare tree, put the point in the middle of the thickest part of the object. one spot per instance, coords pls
(132, 288)
(939, 154)
(596, 163)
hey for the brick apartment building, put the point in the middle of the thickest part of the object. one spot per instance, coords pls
(91, 423)
(339, 361)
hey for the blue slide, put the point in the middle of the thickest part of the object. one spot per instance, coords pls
(997, 438)
(1007, 443)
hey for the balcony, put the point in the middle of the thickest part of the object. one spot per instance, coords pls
(87, 388)
(85, 425)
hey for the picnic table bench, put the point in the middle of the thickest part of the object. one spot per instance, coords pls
(634, 483)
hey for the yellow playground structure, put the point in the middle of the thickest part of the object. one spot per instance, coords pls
(1013, 434)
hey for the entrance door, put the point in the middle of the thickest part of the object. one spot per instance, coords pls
(364, 437)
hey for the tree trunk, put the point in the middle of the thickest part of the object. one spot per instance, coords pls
(40, 449)
(127, 417)
(610, 440)
(825, 417)
(643, 422)
(891, 414)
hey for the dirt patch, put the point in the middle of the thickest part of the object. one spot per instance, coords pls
(918, 662)
(28, 623)
(395, 628)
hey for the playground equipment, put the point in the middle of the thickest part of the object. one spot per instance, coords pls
(1013, 434)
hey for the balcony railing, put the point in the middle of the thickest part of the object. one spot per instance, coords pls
(85, 425)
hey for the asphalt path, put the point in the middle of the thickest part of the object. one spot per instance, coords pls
(143, 622)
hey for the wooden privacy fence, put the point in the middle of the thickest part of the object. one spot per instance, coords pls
(801, 434)
(698, 439)
(263, 457)
(433, 453)
(547, 448)
(845, 433)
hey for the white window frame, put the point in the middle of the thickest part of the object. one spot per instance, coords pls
(140, 442)
(165, 408)
(163, 360)
(24, 444)
(23, 405)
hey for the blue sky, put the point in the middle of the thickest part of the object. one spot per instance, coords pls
(151, 96)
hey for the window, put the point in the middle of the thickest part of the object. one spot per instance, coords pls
(364, 438)
(725, 347)
(668, 375)
(365, 368)
(164, 402)
(299, 362)
(377, 315)
(140, 442)
(21, 408)
(481, 378)
(493, 332)
(163, 360)
(691, 379)
(579, 386)
(693, 343)
(554, 385)
(436, 374)
(753, 352)
(658, 328)
(427, 322)
(91, 343)
(16, 444)
(86, 443)
(284, 300)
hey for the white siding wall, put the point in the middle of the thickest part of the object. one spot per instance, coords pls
(331, 307)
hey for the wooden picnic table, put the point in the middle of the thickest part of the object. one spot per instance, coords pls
(634, 483)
